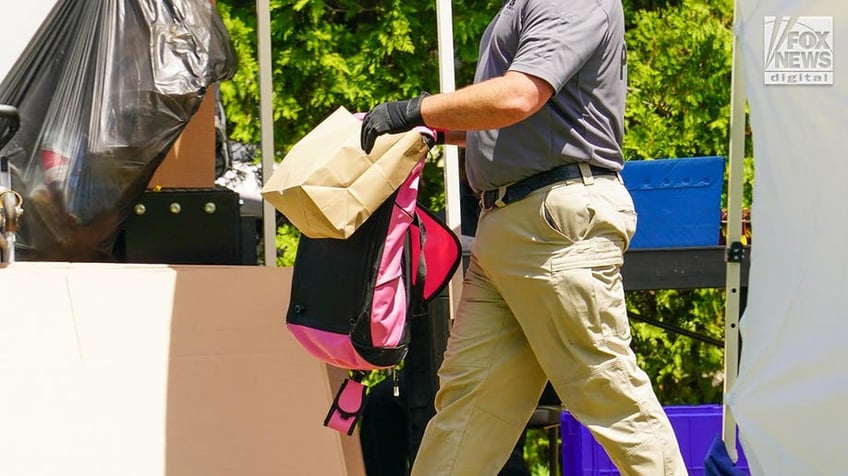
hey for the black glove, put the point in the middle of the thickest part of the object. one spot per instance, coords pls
(390, 118)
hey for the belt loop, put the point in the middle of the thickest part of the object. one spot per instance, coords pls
(586, 172)
(501, 194)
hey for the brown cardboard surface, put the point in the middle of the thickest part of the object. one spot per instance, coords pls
(152, 369)
(191, 161)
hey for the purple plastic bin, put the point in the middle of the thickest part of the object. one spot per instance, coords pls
(695, 426)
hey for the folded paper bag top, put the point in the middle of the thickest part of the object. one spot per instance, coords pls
(327, 186)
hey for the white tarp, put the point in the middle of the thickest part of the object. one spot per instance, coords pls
(791, 396)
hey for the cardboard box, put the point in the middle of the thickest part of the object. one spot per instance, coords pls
(191, 161)
(678, 201)
(146, 370)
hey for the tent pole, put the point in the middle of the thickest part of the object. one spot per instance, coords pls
(447, 83)
(266, 119)
(734, 235)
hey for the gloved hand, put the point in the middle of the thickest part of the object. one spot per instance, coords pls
(390, 118)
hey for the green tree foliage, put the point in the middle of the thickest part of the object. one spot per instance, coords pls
(684, 370)
(328, 54)
(679, 62)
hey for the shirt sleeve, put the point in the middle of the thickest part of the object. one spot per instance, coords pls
(556, 37)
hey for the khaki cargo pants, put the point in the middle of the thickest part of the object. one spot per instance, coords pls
(543, 300)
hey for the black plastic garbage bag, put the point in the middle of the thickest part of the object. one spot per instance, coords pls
(104, 88)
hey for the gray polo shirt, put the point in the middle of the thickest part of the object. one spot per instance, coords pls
(577, 46)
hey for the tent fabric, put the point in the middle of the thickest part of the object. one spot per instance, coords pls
(791, 397)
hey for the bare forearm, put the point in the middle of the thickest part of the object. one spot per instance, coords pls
(492, 104)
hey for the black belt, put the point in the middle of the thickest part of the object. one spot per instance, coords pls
(522, 188)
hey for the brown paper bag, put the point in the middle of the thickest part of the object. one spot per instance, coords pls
(326, 186)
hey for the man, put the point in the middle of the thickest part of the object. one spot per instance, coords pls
(543, 297)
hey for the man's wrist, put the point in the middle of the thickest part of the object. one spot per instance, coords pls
(413, 110)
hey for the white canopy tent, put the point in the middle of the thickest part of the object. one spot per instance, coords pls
(20, 21)
(790, 394)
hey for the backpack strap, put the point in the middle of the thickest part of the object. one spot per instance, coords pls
(347, 407)
(417, 238)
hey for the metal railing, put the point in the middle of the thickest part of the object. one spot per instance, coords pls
(11, 202)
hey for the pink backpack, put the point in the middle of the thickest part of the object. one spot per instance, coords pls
(352, 300)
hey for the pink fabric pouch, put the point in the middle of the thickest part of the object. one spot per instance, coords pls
(347, 407)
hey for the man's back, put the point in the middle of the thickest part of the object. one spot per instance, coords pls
(578, 48)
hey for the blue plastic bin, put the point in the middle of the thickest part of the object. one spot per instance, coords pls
(678, 201)
(695, 426)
